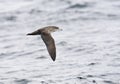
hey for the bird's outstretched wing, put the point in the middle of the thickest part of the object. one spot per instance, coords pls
(50, 44)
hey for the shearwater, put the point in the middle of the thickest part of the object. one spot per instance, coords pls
(45, 33)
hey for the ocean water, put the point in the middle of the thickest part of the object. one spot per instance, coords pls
(88, 48)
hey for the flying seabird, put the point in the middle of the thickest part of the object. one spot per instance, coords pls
(45, 33)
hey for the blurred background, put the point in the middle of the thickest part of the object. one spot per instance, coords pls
(88, 48)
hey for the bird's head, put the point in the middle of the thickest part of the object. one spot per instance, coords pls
(51, 29)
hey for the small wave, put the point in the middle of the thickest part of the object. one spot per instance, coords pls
(87, 80)
(34, 11)
(41, 57)
(91, 64)
(43, 82)
(8, 18)
(2, 55)
(11, 18)
(22, 81)
(109, 82)
(63, 43)
(79, 6)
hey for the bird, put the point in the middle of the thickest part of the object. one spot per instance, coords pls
(47, 38)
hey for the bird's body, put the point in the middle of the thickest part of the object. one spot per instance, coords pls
(45, 33)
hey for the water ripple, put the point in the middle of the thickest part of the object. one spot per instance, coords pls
(85, 5)
(22, 81)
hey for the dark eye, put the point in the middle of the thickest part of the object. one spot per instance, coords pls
(57, 28)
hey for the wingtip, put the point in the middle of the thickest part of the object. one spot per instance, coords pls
(53, 59)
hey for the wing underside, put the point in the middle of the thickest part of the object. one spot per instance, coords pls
(50, 44)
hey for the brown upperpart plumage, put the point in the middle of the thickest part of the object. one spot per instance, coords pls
(45, 33)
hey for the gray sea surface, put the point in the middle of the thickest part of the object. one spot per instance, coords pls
(88, 48)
